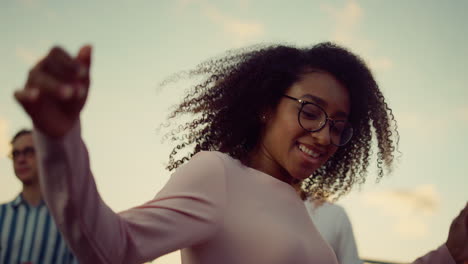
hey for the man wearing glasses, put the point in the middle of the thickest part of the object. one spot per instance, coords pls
(27, 231)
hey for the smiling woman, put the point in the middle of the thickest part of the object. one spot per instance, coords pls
(268, 125)
(243, 112)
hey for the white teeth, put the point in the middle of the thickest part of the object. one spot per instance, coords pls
(308, 151)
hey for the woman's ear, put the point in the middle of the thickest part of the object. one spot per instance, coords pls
(264, 116)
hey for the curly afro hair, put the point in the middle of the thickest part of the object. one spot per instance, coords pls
(238, 87)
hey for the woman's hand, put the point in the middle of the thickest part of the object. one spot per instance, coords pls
(56, 90)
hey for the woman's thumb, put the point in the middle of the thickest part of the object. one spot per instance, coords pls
(84, 56)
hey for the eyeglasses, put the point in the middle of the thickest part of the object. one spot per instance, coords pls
(313, 118)
(27, 152)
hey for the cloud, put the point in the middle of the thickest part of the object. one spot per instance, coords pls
(244, 3)
(381, 63)
(462, 113)
(184, 3)
(408, 209)
(4, 139)
(347, 19)
(434, 126)
(27, 56)
(241, 30)
(421, 124)
(29, 3)
(41, 9)
(51, 15)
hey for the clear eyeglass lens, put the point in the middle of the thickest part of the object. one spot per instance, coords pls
(341, 132)
(313, 118)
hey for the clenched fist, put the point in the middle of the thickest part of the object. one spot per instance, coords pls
(56, 90)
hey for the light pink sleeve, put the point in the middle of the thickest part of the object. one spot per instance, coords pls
(187, 211)
(438, 256)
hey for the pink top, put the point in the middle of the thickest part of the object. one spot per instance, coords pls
(213, 208)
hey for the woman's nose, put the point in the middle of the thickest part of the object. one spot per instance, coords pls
(322, 136)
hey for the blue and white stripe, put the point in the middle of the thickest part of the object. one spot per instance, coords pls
(29, 234)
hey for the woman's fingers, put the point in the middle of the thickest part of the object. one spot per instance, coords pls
(56, 90)
(49, 85)
(59, 64)
(60, 75)
(27, 95)
(84, 61)
(84, 56)
(27, 99)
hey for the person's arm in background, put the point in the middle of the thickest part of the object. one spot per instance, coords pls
(333, 223)
(455, 250)
(346, 248)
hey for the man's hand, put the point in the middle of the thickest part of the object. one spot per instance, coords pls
(56, 90)
(457, 241)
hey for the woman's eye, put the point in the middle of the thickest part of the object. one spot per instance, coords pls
(337, 130)
(310, 115)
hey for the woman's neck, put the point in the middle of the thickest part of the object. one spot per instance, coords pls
(261, 160)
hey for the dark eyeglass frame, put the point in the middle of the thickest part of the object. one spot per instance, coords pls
(26, 152)
(327, 119)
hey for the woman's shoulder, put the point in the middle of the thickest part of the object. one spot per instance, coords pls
(206, 163)
(215, 156)
(214, 162)
(204, 169)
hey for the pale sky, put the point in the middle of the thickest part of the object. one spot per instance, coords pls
(417, 49)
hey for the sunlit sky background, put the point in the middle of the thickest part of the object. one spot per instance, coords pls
(417, 49)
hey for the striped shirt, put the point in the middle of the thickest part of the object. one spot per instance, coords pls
(28, 235)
